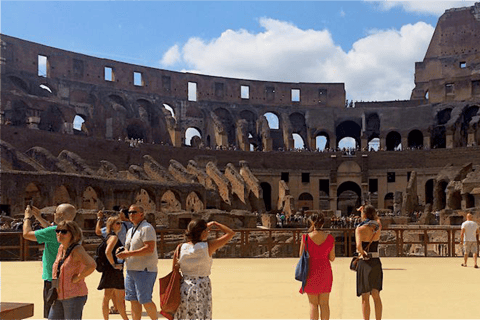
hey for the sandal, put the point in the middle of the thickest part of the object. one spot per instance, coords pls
(475, 266)
(464, 265)
(113, 310)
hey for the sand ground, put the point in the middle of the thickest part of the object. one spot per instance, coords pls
(414, 288)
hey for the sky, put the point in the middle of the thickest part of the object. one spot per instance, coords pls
(371, 46)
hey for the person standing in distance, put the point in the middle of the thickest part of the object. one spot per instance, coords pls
(64, 212)
(141, 260)
(469, 237)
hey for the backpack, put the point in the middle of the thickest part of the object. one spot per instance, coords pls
(100, 256)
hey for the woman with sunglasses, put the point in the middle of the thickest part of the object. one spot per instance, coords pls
(112, 277)
(72, 265)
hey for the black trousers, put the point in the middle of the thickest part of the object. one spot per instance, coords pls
(46, 306)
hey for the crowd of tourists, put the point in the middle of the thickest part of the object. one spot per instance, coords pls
(129, 268)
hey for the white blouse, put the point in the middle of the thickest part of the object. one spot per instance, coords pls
(194, 260)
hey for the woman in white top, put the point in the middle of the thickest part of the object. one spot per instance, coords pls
(195, 262)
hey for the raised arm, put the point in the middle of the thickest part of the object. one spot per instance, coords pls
(216, 244)
(28, 233)
(38, 215)
(99, 225)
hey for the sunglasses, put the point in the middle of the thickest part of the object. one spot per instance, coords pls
(132, 212)
(62, 231)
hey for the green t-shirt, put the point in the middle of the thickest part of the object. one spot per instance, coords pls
(49, 237)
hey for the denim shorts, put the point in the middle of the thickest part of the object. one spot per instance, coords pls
(139, 286)
(68, 309)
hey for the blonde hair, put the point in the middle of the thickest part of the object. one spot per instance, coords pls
(110, 221)
(74, 229)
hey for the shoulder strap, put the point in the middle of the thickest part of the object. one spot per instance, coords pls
(67, 253)
(305, 240)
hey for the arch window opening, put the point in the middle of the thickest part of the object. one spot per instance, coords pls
(46, 88)
(298, 141)
(374, 144)
(388, 201)
(272, 120)
(348, 198)
(347, 143)
(170, 109)
(321, 142)
(78, 123)
(394, 141)
(190, 134)
(267, 195)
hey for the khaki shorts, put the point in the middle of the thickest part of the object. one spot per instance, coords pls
(470, 247)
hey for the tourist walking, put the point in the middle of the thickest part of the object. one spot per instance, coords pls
(469, 238)
(47, 235)
(112, 280)
(195, 261)
(141, 260)
(72, 265)
(369, 271)
(321, 249)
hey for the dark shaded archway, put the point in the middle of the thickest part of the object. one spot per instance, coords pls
(305, 201)
(393, 141)
(51, 119)
(348, 129)
(415, 139)
(429, 191)
(349, 197)
(267, 195)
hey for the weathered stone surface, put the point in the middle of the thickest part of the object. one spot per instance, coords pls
(77, 162)
(155, 171)
(223, 185)
(178, 171)
(108, 170)
(137, 172)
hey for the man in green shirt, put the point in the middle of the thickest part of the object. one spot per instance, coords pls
(48, 236)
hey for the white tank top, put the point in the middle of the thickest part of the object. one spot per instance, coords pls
(194, 260)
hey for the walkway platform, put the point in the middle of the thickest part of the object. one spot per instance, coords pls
(414, 288)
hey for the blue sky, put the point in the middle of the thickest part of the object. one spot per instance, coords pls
(370, 46)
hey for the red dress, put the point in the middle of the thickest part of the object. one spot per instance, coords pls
(320, 275)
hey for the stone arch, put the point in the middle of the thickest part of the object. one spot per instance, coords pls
(298, 141)
(297, 121)
(322, 140)
(439, 137)
(136, 130)
(91, 199)
(45, 90)
(393, 141)
(429, 191)
(273, 120)
(146, 200)
(469, 201)
(51, 119)
(305, 201)
(33, 194)
(415, 139)
(443, 116)
(17, 114)
(349, 196)
(79, 123)
(19, 83)
(388, 201)
(461, 132)
(194, 202)
(170, 109)
(228, 124)
(267, 195)
(373, 144)
(455, 200)
(251, 121)
(440, 194)
(372, 126)
(349, 167)
(348, 129)
(170, 202)
(190, 134)
(61, 195)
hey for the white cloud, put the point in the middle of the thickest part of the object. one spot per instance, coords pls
(379, 66)
(429, 7)
(171, 57)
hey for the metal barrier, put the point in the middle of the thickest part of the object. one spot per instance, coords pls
(249, 243)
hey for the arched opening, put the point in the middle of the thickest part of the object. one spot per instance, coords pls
(136, 130)
(267, 195)
(194, 203)
(170, 202)
(33, 194)
(170, 109)
(61, 195)
(91, 200)
(429, 191)
(146, 200)
(298, 141)
(190, 133)
(393, 141)
(322, 141)
(19, 83)
(349, 196)
(415, 139)
(456, 200)
(439, 137)
(272, 120)
(45, 90)
(374, 144)
(305, 201)
(441, 194)
(228, 124)
(388, 201)
(297, 121)
(348, 129)
(347, 143)
(443, 116)
(17, 115)
(79, 123)
(251, 119)
(51, 119)
(470, 201)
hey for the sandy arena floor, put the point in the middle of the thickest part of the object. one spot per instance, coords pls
(414, 288)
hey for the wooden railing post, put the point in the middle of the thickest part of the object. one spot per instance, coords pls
(425, 242)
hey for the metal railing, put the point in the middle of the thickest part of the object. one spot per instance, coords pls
(249, 243)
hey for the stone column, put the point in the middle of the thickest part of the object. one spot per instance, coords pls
(449, 138)
(404, 142)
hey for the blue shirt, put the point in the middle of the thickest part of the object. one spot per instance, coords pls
(122, 234)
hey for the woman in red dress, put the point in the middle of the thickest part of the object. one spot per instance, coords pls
(321, 248)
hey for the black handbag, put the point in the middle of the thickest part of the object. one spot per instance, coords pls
(356, 257)
(52, 294)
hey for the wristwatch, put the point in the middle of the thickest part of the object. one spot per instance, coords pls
(32, 218)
